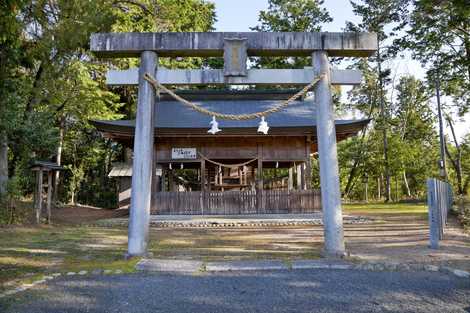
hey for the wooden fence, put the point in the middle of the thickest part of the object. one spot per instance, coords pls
(237, 202)
(440, 201)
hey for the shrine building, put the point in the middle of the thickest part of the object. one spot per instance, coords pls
(237, 171)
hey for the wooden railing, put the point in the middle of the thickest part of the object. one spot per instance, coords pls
(237, 202)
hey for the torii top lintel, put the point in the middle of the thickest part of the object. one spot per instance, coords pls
(212, 43)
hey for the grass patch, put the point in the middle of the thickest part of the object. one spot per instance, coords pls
(209, 244)
(31, 251)
(386, 208)
(27, 251)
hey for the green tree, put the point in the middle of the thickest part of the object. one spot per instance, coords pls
(384, 17)
(356, 152)
(290, 16)
(439, 37)
(11, 54)
(414, 138)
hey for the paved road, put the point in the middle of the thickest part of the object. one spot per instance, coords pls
(277, 291)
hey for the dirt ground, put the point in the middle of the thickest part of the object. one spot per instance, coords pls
(74, 242)
(392, 238)
(405, 238)
(399, 237)
(79, 214)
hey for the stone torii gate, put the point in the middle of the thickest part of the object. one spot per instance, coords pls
(234, 47)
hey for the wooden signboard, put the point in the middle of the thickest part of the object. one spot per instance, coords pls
(183, 153)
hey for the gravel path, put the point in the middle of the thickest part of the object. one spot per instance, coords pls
(272, 291)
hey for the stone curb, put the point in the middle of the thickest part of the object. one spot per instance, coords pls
(165, 265)
(227, 224)
(46, 278)
(245, 266)
(188, 266)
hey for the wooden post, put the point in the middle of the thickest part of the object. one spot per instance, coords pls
(302, 176)
(260, 184)
(328, 157)
(155, 183)
(308, 164)
(298, 171)
(49, 195)
(39, 197)
(290, 181)
(203, 185)
(139, 215)
(163, 180)
(170, 180)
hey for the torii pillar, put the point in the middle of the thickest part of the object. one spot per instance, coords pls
(139, 214)
(328, 157)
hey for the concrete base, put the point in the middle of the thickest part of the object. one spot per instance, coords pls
(334, 255)
(156, 265)
(128, 256)
(245, 266)
(321, 264)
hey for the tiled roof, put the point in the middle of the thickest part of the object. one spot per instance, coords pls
(121, 170)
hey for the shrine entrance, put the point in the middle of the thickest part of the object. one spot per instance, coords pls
(266, 130)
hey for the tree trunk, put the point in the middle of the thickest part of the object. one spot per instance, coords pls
(33, 98)
(467, 51)
(353, 171)
(3, 163)
(59, 158)
(388, 189)
(457, 162)
(379, 186)
(397, 196)
(407, 186)
(72, 197)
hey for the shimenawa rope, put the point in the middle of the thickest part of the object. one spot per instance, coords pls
(227, 165)
(235, 117)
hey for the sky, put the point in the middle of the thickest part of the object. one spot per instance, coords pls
(240, 15)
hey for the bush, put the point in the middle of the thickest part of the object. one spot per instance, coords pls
(464, 213)
(10, 210)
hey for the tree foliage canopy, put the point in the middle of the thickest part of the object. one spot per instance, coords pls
(51, 86)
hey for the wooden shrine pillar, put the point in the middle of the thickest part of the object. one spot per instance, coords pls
(203, 185)
(164, 179)
(139, 215)
(171, 183)
(39, 191)
(49, 195)
(302, 176)
(290, 180)
(298, 174)
(203, 175)
(260, 179)
(308, 164)
(328, 157)
(156, 181)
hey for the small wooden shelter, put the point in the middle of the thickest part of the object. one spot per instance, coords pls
(41, 168)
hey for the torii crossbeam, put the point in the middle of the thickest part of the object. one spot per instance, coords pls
(234, 47)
